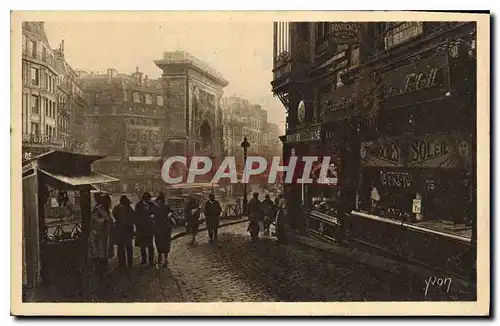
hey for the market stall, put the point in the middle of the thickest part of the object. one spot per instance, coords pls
(56, 254)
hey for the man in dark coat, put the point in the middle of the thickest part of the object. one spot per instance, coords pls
(144, 217)
(212, 213)
(124, 216)
(255, 213)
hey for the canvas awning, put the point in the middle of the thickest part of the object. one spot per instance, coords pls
(81, 180)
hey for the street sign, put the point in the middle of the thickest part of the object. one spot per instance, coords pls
(417, 206)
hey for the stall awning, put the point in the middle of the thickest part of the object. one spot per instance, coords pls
(75, 181)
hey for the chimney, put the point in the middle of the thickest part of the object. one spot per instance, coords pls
(62, 46)
(110, 75)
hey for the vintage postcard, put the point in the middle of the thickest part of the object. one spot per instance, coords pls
(250, 163)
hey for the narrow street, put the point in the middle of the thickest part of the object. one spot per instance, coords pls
(237, 270)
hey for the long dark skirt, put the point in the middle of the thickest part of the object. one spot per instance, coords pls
(163, 241)
(144, 240)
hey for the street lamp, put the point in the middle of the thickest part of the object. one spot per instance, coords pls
(212, 157)
(245, 144)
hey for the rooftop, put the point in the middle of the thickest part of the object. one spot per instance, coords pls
(182, 57)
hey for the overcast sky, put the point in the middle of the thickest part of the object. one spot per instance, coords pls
(241, 51)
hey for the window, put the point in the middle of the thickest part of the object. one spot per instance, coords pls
(159, 100)
(33, 49)
(323, 29)
(35, 104)
(44, 53)
(144, 151)
(25, 74)
(47, 113)
(137, 97)
(53, 109)
(25, 45)
(148, 99)
(35, 77)
(34, 128)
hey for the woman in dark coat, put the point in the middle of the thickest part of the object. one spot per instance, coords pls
(144, 216)
(164, 224)
(192, 215)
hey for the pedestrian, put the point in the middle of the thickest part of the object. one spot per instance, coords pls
(192, 215)
(124, 217)
(281, 217)
(106, 204)
(269, 213)
(100, 225)
(212, 214)
(256, 216)
(144, 215)
(164, 223)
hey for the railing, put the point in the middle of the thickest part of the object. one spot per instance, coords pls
(232, 211)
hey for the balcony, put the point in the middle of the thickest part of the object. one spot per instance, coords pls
(402, 36)
(41, 140)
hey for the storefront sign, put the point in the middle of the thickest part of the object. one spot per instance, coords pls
(417, 206)
(305, 134)
(395, 179)
(345, 32)
(414, 82)
(428, 77)
(402, 33)
(434, 151)
(426, 151)
(385, 152)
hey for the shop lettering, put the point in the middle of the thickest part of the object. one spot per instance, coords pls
(304, 136)
(395, 179)
(415, 82)
(422, 150)
(391, 153)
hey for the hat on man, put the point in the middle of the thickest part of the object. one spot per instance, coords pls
(124, 200)
(146, 196)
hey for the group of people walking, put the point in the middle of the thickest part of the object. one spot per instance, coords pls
(211, 211)
(263, 213)
(150, 222)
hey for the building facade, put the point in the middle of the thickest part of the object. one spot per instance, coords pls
(40, 92)
(72, 106)
(193, 95)
(393, 105)
(127, 121)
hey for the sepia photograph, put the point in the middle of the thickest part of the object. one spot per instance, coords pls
(337, 161)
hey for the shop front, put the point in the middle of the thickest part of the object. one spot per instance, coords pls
(415, 193)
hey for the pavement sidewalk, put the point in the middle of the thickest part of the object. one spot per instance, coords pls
(348, 252)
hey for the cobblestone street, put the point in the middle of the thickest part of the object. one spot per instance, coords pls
(237, 270)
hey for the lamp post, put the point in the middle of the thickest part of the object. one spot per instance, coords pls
(212, 157)
(245, 144)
